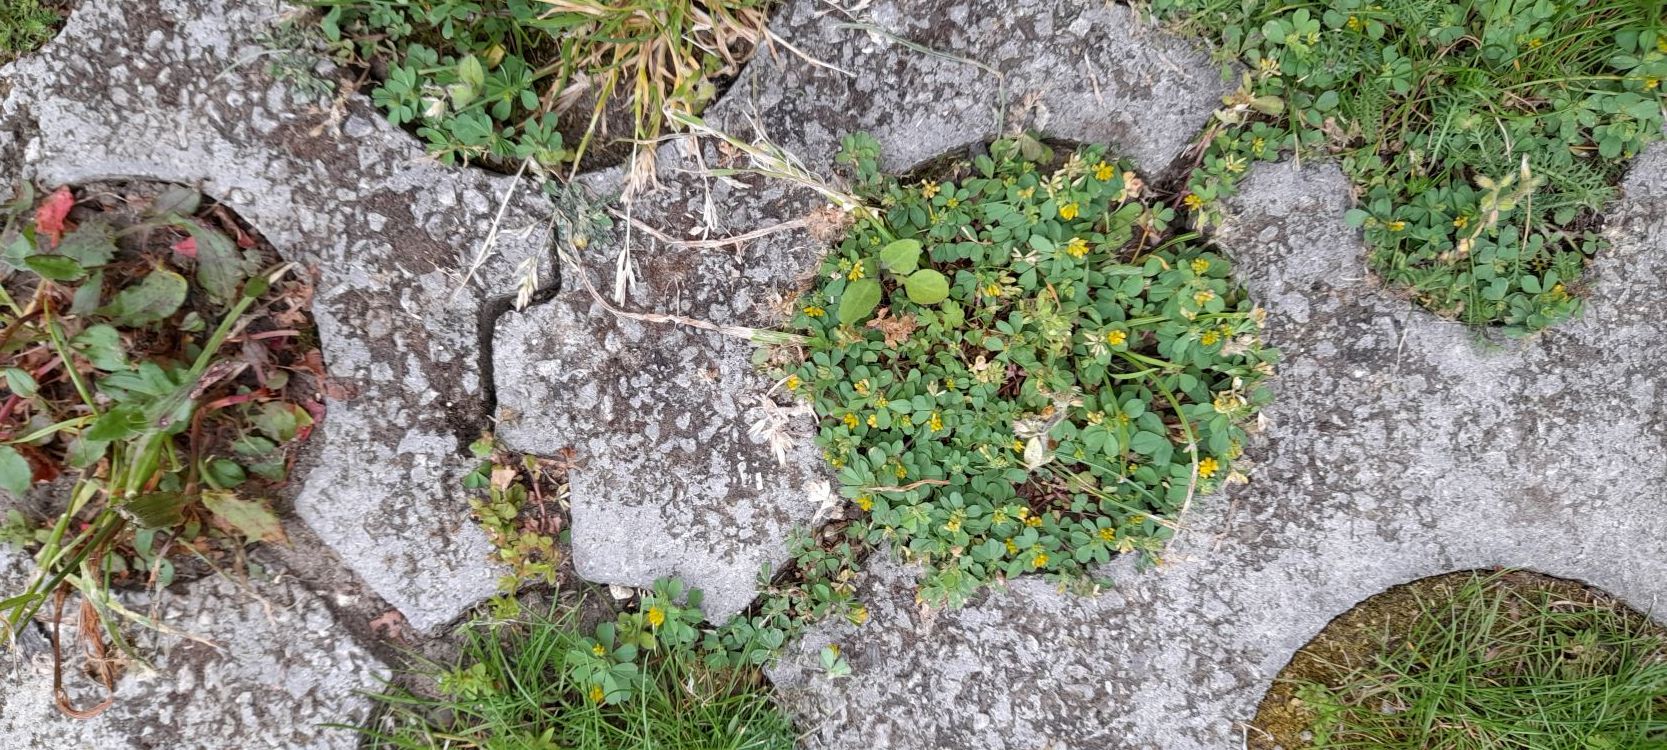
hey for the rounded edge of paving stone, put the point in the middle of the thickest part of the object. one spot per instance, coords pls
(278, 671)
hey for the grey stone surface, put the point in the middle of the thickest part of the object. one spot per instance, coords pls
(670, 482)
(1399, 446)
(176, 90)
(278, 670)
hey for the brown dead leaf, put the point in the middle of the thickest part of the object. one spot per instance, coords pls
(896, 330)
(392, 626)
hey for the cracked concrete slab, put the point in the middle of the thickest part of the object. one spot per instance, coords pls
(670, 482)
(176, 91)
(277, 672)
(1400, 446)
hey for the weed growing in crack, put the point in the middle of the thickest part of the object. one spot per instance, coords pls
(510, 81)
(547, 682)
(1056, 391)
(150, 351)
(1482, 137)
(522, 506)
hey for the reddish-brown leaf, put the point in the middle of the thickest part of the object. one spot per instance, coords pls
(51, 216)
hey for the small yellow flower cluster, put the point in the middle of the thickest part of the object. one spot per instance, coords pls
(1117, 337)
(936, 423)
(1039, 560)
(850, 420)
(861, 387)
(1203, 296)
(1012, 549)
(1069, 211)
(596, 694)
(793, 382)
(598, 650)
(1208, 467)
(656, 616)
(1104, 172)
(1108, 535)
(1209, 338)
(1396, 225)
(1461, 222)
(1033, 521)
(815, 312)
(866, 502)
(855, 272)
(1193, 202)
(873, 420)
(1200, 266)
(928, 189)
(1077, 247)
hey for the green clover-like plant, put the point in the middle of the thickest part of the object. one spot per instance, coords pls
(1026, 371)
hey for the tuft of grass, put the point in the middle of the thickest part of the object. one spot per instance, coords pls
(1483, 136)
(519, 684)
(25, 25)
(503, 82)
(1509, 662)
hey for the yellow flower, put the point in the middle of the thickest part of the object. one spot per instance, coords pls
(1022, 512)
(861, 387)
(1209, 338)
(1461, 222)
(866, 502)
(1234, 163)
(850, 420)
(952, 202)
(928, 189)
(907, 421)
(855, 273)
(1011, 547)
(598, 650)
(1033, 521)
(1396, 225)
(596, 694)
(936, 422)
(1199, 266)
(873, 420)
(1116, 337)
(1193, 202)
(1077, 247)
(1207, 468)
(1651, 82)
(1257, 144)
(1018, 446)
(792, 383)
(1069, 211)
(1203, 296)
(1103, 171)
(656, 616)
(1108, 535)
(859, 615)
(901, 472)
(992, 289)
(1353, 23)
(1535, 43)
(881, 401)
(949, 383)
(1661, 44)
(1026, 193)
(1039, 560)
(815, 312)
(952, 525)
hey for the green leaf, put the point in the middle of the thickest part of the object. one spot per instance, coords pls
(221, 265)
(119, 423)
(178, 200)
(860, 299)
(927, 287)
(55, 267)
(84, 453)
(901, 257)
(257, 522)
(155, 298)
(90, 245)
(156, 510)
(21, 382)
(224, 473)
(102, 346)
(1147, 443)
(15, 473)
(280, 420)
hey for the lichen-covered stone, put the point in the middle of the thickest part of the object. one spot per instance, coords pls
(177, 91)
(669, 480)
(1399, 446)
(277, 672)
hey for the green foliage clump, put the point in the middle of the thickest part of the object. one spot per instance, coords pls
(1505, 666)
(541, 683)
(25, 25)
(1065, 382)
(510, 504)
(175, 427)
(1482, 136)
(499, 82)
